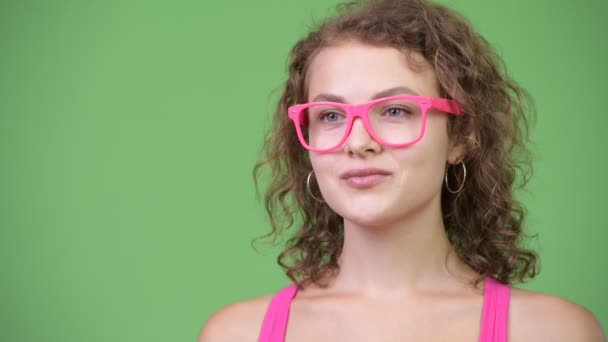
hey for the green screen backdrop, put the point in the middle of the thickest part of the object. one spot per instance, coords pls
(129, 128)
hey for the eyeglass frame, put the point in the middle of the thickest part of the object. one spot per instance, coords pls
(448, 106)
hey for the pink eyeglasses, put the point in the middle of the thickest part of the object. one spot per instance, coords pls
(395, 121)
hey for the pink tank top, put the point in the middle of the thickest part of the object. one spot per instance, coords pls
(493, 317)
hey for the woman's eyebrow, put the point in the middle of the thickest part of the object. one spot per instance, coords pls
(400, 90)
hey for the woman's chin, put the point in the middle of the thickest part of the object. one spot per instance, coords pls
(368, 217)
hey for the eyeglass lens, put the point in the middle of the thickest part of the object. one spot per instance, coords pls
(396, 121)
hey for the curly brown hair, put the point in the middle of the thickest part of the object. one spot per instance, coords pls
(483, 221)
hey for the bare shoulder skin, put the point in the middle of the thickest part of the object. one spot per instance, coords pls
(537, 316)
(238, 321)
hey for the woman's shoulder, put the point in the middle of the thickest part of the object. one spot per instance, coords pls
(538, 316)
(533, 316)
(237, 321)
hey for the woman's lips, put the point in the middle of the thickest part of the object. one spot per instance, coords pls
(364, 182)
(363, 178)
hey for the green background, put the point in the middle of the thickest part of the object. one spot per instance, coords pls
(129, 128)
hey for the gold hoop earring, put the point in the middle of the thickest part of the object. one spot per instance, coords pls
(464, 169)
(309, 191)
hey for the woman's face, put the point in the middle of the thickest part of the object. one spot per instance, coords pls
(356, 72)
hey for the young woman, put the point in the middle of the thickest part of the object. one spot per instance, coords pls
(395, 145)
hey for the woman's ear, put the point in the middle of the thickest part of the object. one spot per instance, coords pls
(456, 152)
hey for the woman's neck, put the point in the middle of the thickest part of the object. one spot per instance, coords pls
(401, 258)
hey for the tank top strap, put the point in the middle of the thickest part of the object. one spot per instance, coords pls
(493, 321)
(495, 311)
(275, 319)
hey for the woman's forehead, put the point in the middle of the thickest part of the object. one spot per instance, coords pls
(357, 71)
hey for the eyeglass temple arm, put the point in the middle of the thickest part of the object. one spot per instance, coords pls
(447, 105)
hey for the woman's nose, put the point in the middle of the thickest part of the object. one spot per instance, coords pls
(359, 140)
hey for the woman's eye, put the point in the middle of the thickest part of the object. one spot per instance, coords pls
(396, 111)
(330, 116)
